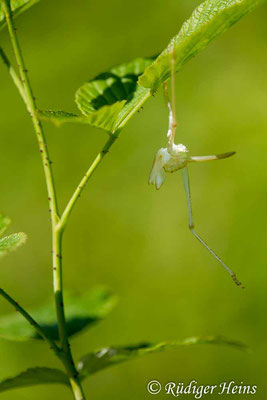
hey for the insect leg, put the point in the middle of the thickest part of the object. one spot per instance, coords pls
(171, 104)
(211, 158)
(186, 182)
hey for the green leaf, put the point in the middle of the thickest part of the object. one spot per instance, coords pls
(81, 312)
(109, 356)
(34, 376)
(210, 19)
(4, 223)
(18, 7)
(112, 98)
(108, 100)
(59, 117)
(117, 86)
(101, 118)
(11, 242)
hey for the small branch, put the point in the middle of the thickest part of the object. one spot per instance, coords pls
(32, 322)
(13, 74)
(77, 193)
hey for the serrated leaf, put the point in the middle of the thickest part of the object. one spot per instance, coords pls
(59, 117)
(110, 356)
(101, 118)
(108, 100)
(81, 312)
(209, 20)
(117, 86)
(4, 223)
(17, 7)
(11, 242)
(34, 376)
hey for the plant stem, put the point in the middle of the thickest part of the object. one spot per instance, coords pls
(31, 106)
(36, 326)
(77, 389)
(58, 293)
(17, 81)
(65, 215)
(56, 233)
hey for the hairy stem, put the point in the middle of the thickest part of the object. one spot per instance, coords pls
(64, 218)
(53, 208)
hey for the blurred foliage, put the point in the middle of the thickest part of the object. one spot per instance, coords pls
(104, 358)
(123, 233)
(110, 356)
(34, 376)
(11, 242)
(81, 312)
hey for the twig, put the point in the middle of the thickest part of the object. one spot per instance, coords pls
(31, 321)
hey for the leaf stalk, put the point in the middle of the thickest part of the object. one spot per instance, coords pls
(77, 193)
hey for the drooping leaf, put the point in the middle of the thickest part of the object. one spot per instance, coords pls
(4, 223)
(117, 86)
(11, 242)
(34, 376)
(102, 100)
(108, 100)
(209, 20)
(101, 118)
(110, 356)
(81, 312)
(17, 7)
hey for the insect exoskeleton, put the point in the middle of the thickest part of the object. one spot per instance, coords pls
(168, 160)
(175, 157)
(179, 157)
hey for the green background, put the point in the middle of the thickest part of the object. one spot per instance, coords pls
(123, 233)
